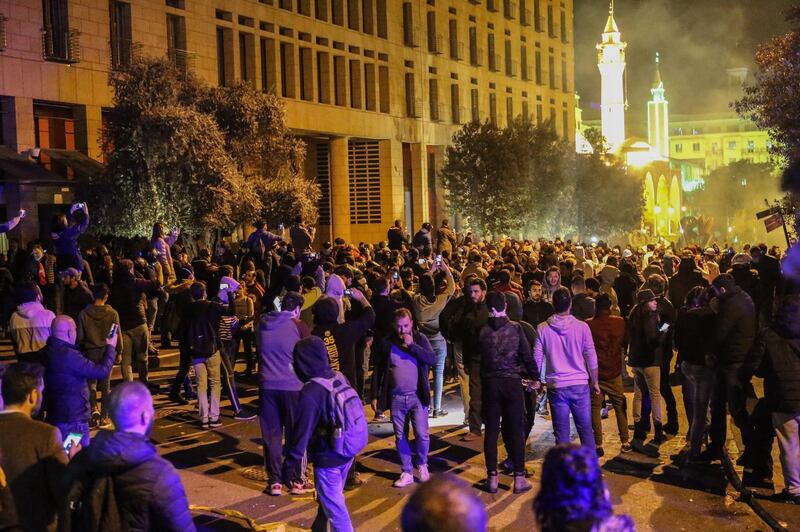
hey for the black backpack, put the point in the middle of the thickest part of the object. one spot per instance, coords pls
(91, 506)
(201, 334)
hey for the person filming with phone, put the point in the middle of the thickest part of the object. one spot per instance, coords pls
(13, 222)
(65, 233)
(68, 374)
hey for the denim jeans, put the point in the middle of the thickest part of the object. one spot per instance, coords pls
(329, 482)
(439, 345)
(78, 427)
(207, 371)
(402, 407)
(697, 384)
(787, 427)
(575, 400)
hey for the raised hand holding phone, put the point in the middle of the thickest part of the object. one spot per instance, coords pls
(111, 339)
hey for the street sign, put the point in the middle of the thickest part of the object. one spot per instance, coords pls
(767, 212)
(773, 222)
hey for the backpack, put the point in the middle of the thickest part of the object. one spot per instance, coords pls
(201, 337)
(348, 424)
(91, 506)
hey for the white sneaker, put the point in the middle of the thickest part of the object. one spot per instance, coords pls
(424, 475)
(406, 479)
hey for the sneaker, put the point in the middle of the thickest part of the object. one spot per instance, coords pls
(432, 413)
(470, 436)
(95, 421)
(205, 425)
(424, 474)
(244, 415)
(380, 418)
(441, 413)
(214, 423)
(301, 488)
(176, 398)
(788, 498)
(276, 489)
(626, 447)
(406, 479)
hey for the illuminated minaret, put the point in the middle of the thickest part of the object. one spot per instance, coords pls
(658, 117)
(611, 62)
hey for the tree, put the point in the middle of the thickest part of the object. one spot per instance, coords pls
(482, 179)
(772, 102)
(197, 157)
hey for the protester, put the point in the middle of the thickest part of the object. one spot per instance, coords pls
(444, 504)
(75, 294)
(570, 371)
(12, 223)
(31, 452)
(301, 236)
(65, 234)
(400, 383)
(30, 323)
(148, 493)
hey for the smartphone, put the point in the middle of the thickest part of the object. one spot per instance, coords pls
(396, 276)
(224, 286)
(664, 327)
(72, 439)
(79, 205)
(280, 227)
(22, 213)
(277, 303)
(438, 260)
(348, 292)
(113, 330)
(422, 261)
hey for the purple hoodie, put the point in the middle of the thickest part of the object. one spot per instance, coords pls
(567, 343)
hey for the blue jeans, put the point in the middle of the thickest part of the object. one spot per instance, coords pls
(577, 401)
(329, 482)
(439, 345)
(78, 427)
(402, 407)
(697, 384)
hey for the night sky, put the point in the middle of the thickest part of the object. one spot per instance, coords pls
(698, 40)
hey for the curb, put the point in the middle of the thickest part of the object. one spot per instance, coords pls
(747, 494)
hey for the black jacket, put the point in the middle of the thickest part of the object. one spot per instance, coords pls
(382, 381)
(74, 300)
(691, 334)
(385, 307)
(505, 350)
(126, 298)
(776, 357)
(536, 312)
(396, 238)
(341, 339)
(747, 279)
(688, 277)
(466, 326)
(736, 327)
(583, 306)
(147, 487)
(646, 341)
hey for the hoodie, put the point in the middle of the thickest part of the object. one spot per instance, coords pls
(341, 338)
(94, 323)
(567, 343)
(30, 327)
(312, 427)
(505, 351)
(147, 487)
(278, 333)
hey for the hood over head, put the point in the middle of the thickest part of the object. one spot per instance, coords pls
(311, 359)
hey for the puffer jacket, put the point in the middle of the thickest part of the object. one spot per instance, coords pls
(65, 380)
(505, 350)
(30, 327)
(148, 490)
(776, 357)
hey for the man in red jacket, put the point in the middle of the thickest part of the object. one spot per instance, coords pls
(608, 333)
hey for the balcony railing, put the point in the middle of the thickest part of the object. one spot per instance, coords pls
(476, 57)
(494, 62)
(435, 43)
(414, 109)
(512, 68)
(525, 17)
(182, 59)
(457, 50)
(3, 32)
(510, 9)
(123, 52)
(459, 115)
(61, 46)
(491, 5)
(411, 38)
(437, 112)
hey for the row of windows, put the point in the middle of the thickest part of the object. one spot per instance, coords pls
(732, 145)
(530, 12)
(368, 16)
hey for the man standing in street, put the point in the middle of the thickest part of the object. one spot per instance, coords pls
(301, 236)
(571, 369)
(468, 327)
(445, 238)
(608, 333)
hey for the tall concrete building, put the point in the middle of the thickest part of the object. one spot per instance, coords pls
(375, 87)
(611, 62)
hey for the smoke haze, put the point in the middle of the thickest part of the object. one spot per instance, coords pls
(698, 40)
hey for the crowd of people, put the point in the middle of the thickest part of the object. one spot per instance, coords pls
(523, 326)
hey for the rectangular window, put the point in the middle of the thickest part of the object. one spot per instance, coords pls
(224, 56)
(563, 27)
(368, 16)
(539, 114)
(455, 108)
(337, 12)
(176, 43)
(564, 80)
(565, 123)
(509, 60)
(383, 84)
(411, 102)
(434, 42)
(732, 145)
(696, 147)
(474, 104)
(380, 8)
(247, 58)
(355, 84)
(364, 165)
(490, 50)
(323, 77)
(321, 9)
(509, 109)
(352, 15)
(525, 111)
(523, 61)
(306, 74)
(678, 148)
(287, 70)
(370, 95)
(552, 72)
(551, 23)
(304, 7)
(473, 47)
(433, 93)
(751, 146)
(269, 73)
(56, 33)
(409, 34)
(121, 38)
(54, 126)
(339, 80)
(455, 46)
(538, 67)
(537, 16)
(714, 147)
(493, 108)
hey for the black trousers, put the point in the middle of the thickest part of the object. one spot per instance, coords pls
(503, 398)
(474, 417)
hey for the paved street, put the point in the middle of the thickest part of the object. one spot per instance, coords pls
(220, 468)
